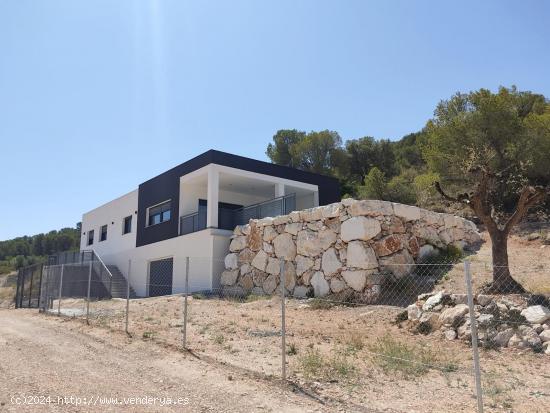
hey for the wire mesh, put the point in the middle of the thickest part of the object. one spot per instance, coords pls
(385, 340)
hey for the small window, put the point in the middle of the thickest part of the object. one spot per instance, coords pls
(159, 213)
(127, 227)
(103, 235)
(90, 237)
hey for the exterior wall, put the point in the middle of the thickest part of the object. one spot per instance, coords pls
(111, 214)
(199, 246)
(206, 248)
(349, 247)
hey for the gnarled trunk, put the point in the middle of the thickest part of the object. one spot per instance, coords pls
(503, 283)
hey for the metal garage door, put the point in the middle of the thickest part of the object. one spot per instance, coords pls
(160, 277)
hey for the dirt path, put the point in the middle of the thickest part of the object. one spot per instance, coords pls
(42, 356)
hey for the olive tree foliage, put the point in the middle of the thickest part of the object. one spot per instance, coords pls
(491, 151)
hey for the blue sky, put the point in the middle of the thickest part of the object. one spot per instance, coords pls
(98, 96)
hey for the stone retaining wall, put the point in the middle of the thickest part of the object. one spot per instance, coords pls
(346, 246)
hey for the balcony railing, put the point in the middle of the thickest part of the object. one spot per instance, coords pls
(272, 208)
(229, 218)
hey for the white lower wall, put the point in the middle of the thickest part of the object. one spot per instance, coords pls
(206, 250)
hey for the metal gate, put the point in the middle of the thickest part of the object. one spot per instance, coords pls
(29, 282)
(161, 273)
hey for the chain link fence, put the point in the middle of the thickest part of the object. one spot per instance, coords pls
(428, 340)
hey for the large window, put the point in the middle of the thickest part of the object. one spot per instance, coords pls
(90, 237)
(159, 213)
(127, 226)
(103, 234)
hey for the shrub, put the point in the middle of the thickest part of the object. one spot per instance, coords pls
(410, 360)
(311, 363)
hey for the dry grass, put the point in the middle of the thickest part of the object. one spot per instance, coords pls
(8, 284)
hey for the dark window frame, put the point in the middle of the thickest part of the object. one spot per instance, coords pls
(127, 225)
(159, 213)
(102, 234)
(90, 240)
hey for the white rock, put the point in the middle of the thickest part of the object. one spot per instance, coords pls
(294, 216)
(483, 300)
(281, 220)
(425, 252)
(359, 228)
(407, 212)
(237, 244)
(264, 222)
(453, 314)
(545, 336)
(270, 284)
(267, 247)
(371, 207)
(290, 275)
(450, 335)
(293, 228)
(260, 261)
(337, 285)
(285, 247)
(311, 214)
(536, 314)
(229, 277)
(300, 291)
(270, 233)
(245, 268)
(502, 338)
(431, 218)
(319, 284)
(355, 279)
(312, 243)
(303, 264)
(399, 264)
(231, 261)
(332, 210)
(432, 301)
(330, 262)
(361, 256)
(428, 234)
(517, 342)
(459, 298)
(273, 266)
(414, 312)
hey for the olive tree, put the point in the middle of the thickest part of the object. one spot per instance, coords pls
(492, 153)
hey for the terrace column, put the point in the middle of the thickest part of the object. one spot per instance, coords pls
(213, 195)
(279, 190)
(316, 199)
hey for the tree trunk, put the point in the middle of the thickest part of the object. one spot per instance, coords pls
(503, 283)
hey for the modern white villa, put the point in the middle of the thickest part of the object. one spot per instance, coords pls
(190, 211)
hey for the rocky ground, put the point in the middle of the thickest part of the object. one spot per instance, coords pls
(340, 357)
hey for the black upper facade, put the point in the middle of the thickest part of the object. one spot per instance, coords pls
(167, 186)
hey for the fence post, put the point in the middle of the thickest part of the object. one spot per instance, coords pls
(128, 293)
(30, 290)
(473, 328)
(17, 289)
(185, 302)
(60, 290)
(88, 293)
(40, 284)
(283, 324)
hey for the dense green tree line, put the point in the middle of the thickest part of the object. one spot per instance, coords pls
(27, 250)
(366, 167)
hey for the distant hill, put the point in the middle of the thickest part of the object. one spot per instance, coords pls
(27, 250)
